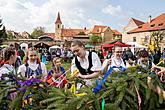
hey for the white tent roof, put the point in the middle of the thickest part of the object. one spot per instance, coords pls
(24, 45)
(55, 46)
(136, 45)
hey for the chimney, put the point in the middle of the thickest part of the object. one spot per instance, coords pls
(149, 19)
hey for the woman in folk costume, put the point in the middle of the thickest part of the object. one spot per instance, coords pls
(87, 63)
(10, 57)
(116, 60)
(144, 61)
(32, 66)
(57, 74)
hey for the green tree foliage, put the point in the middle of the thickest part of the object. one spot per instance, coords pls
(10, 36)
(157, 36)
(81, 33)
(39, 31)
(3, 35)
(94, 39)
(120, 92)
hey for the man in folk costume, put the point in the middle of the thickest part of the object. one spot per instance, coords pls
(88, 63)
(33, 66)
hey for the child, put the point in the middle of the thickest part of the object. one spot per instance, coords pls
(56, 74)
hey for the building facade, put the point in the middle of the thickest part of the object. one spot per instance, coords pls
(140, 32)
(105, 32)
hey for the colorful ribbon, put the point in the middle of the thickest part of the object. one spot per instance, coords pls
(139, 98)
(61, 78)
(28, 99)
(73, 86)
(74, 74)
(27, 82)
(103, 104)
(99, 85)
(73, 89)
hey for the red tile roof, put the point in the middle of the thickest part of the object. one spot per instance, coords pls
(117, 32)
(58, 20)
(157, 23)
(137, 22)
(71, 32)
(99, 29)
(52, 35)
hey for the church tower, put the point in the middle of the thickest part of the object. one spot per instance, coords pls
(58, 27)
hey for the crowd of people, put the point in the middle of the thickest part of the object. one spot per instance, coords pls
(89, 64)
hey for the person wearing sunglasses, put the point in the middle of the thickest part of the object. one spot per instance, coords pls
(115, 60)
(88, 63)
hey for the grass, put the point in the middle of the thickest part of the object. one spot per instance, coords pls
(66, 65)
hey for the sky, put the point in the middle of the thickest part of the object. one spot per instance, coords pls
(25, 15)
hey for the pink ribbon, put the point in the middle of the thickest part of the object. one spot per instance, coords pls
(139, 98)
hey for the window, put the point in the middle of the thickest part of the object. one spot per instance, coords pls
(134, 39)
(139, 26)
(146, 39)
(58, 26)
(160, 24)
(152, 25)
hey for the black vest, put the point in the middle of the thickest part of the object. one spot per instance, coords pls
(82, 70)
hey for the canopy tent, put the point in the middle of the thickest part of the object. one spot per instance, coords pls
(136, 45)
(89, 46)
(53, 48)
(115, 43)
(41, 45)
(24, 46)
(121, 44)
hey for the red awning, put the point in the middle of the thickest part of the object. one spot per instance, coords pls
(121, 44)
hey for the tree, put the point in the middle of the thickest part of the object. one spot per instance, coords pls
(94, 39)
(10, 36)
(3, 35)
(81, 33)
(157, 36)
(39, 31)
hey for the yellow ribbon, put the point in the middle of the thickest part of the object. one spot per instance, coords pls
(27, 101)
(74, 74)
(73, 86)
(73, 89)
(24, 103)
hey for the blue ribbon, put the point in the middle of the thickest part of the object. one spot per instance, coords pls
(99, 86)
(27, 82)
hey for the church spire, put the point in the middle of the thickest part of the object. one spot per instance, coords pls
(58, 20)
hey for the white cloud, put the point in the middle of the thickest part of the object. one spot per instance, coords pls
(20, 16)
(23, 15)
(94, 22)
(112, 10)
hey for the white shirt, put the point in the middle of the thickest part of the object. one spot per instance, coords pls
(5, 69)
(85, 62)
(33, 66)
(143, 65)
(114, 62)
